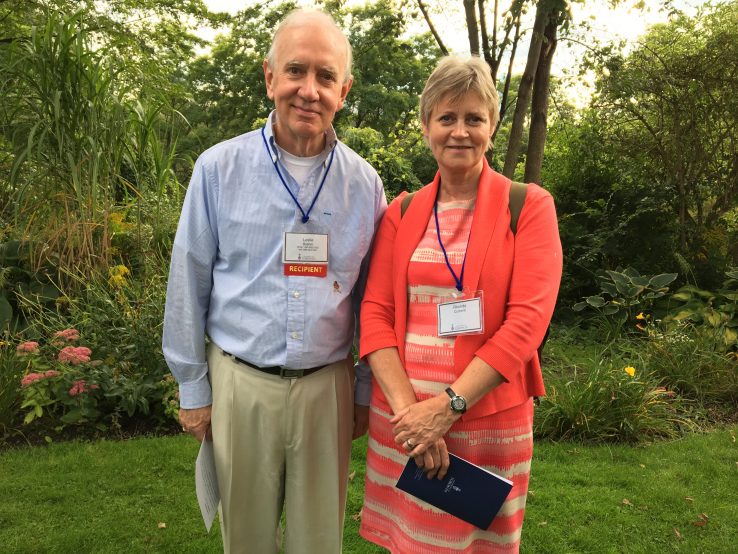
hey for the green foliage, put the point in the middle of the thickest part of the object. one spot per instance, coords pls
(716, 310)
(389, 69)
(120, 319)
(625, 296)
(81, 141)
(11, 369)
(387, 157)
(692, 360)
(120, 315)
(63, 386)
(608, 216)
(603, 402)
(18, 278)
(671, 114)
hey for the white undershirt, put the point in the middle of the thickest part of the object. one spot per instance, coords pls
(298, 167)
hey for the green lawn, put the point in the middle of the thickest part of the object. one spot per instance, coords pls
(112, 497)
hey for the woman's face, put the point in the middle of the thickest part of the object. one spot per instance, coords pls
(458, 133)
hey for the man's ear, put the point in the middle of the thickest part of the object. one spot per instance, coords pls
(345, 88)
(268, 79)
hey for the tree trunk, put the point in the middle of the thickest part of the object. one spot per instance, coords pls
(471, 26)
(524, 91)
(539, 109)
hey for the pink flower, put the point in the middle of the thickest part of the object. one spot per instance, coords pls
(33, 377)
(28, 347)
(74, 355)
(80, 387)
(67, 334)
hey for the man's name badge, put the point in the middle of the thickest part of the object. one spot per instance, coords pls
(460, 317)
(305, 254)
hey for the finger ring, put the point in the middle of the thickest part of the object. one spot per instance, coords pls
(184, 428)
(409, 444)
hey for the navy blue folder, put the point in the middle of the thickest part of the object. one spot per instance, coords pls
(468, 491)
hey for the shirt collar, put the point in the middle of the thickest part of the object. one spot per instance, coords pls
(330, 139)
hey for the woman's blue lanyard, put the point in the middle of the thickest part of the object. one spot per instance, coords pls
(305, 215)
(460, 279)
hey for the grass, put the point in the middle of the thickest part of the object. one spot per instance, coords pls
(110, 497)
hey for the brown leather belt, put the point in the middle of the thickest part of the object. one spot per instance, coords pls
(283, 372)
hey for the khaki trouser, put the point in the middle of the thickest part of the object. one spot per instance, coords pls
(281, 443)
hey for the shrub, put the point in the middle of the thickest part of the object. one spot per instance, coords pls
(120, 319)
(692, 360)
(120, 314)
(11, 370)
(717, 310)
(62, 385)
(623, 297)
(609, 401)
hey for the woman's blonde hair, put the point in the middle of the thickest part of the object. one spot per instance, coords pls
(456, 77)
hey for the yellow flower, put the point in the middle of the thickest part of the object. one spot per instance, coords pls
(640, 316)
(117, 275)
(630, 370)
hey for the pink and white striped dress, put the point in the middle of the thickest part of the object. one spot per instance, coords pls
(501, 442)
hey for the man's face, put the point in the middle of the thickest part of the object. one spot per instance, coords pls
(306, 84)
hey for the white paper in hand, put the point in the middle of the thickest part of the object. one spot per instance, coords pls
(206, 483)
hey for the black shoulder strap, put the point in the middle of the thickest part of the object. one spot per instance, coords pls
(406, 203)
(517, 199)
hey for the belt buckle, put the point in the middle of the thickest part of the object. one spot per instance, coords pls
(286, 373)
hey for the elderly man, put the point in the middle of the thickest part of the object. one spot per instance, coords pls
(274, 232)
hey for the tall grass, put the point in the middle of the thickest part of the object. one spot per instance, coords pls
(83, 142)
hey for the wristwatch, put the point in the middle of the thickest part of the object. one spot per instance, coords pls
(458, 403)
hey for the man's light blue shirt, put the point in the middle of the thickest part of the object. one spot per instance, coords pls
(226, 277)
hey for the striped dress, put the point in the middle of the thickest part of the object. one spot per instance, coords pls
(501, 442)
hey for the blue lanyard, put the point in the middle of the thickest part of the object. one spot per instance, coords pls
(460, 279)
(305, 215)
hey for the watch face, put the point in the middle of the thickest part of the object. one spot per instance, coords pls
(458, 404)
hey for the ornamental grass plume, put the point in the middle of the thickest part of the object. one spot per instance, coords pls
(28, 347)
(74, 355)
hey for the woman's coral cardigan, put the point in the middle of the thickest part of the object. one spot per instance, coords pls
(519, 274)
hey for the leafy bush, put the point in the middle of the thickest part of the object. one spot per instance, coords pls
(120, 314)
(624, 294)
(62, 385)
(17, 277)
(692, 360)
(717, 310)
(609, 401)
(11, 370)
(120, 319)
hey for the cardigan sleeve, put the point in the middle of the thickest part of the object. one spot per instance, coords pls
(378, 305)
(534, 286)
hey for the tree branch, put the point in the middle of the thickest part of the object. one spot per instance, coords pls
(433, 31)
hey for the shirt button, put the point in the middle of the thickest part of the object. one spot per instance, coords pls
(295, 335)
(296, 294)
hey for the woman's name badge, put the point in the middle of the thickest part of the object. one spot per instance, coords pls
(460, 317)
(305, 254)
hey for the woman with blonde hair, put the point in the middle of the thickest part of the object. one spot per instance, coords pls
(455, 307)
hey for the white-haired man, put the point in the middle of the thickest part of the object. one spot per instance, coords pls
(274, 232)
